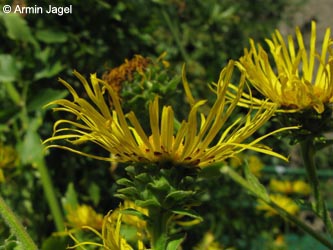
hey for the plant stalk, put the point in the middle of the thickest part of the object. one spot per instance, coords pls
(175, 35)
(158, 228)
(50, 196)
(16, 227)
(283, 213)
(308, 154)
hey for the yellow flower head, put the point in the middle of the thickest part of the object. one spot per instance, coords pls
(301, 187)
(254, 163)
(8, 159)
(208, 243)
(300, 78)
(283, 201)
(198, 142)
(112, 240)
(84, 215)
(290, 187)
(8, 156)
(131, 219)
(111, 236)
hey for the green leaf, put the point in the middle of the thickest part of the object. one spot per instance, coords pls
(177, 196)
(9, 70)
(55, 243)
(143, 177)
(50, 71)
(45, 96)
(31, 150)
(175, 242)
(124, 182)
(17, 28)
(257, 187)
(131, 171)
(51, 36)
(13, 93)
(187, 212)
(70, 199)
(148, 203)
(128, 191)
(160, 185)
(131, 211)
(94, 193)
(121, 196)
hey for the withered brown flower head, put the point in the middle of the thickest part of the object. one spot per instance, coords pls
(116, 76)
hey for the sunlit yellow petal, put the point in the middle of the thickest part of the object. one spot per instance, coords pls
(292, 75)
(201, 138)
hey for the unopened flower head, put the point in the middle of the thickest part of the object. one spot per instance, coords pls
(292, 75)
(200, 140)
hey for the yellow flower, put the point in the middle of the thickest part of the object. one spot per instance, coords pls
(290, 187)
(300, 78)
(8, 156)
(283, 201)
(254, 163)
(301, 187)
(198, 143)
(280, 242)
(8, 159)
(111, 237)
(131, 219)
(208, 243)
(84, 215)
(112, 240)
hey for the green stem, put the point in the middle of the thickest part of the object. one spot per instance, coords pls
(244, 183)
(158, 228)
(175, 35)
(50, 195)
(16, 226)
(308, 154)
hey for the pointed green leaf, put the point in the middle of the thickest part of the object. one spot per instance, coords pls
(176, 196)
(9, 69)
(175, 242)
(31, 149)
(128, 191)
(45, 96)
(70, 199)
(50, 71)
(187, 212)
(257, 187)
(124, 182)
(143, 177)
(131, 211)
(17, 28)
(159, 185)
(51, 36)
(121, 196)
(148, 203)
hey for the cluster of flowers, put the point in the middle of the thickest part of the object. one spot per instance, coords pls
(291, 77)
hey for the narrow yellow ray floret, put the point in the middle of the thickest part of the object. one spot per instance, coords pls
(201, 139)
(301, 77)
